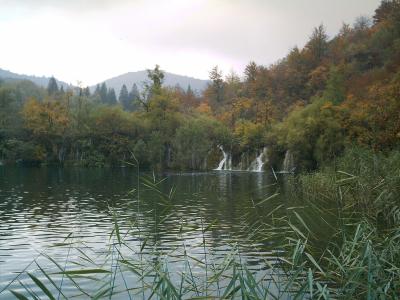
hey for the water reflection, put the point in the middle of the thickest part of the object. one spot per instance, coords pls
(41, 206)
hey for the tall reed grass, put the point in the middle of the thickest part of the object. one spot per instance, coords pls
(357, 200)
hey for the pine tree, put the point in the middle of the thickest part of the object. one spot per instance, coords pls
(134, 97)
(318, 44)
(189, 92)
(86, 91)
(97, 90)
(134, 93)
(217, 84)
(111, 97)
(251, 72)
(103, 92)
(52, 87)
(124, 98)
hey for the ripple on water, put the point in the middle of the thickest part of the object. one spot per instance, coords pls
(39, 208)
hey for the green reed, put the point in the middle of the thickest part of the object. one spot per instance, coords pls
(358, 199)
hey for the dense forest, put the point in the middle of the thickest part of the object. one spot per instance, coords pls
(333, 94)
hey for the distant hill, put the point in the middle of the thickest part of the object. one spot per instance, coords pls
(140, 76)
(40, 81)
(116, 82)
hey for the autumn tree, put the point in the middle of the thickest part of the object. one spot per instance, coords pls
(386, 10)
(49, 122)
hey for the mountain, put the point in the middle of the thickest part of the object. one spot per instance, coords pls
(116, 82)
(140, 76)
(40, 81)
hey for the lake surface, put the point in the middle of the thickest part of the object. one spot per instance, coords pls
(41, 207)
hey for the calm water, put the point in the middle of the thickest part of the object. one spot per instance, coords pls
(40, 207)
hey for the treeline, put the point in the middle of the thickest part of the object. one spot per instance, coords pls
(317, 101)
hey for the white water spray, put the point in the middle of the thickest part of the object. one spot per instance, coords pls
(226, 162)
(288, 163)
(258, 164)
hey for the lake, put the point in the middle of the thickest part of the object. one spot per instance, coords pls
(67, 214)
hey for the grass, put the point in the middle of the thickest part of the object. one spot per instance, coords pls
(358, 200)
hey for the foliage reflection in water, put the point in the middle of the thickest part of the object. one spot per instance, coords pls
(87, 228)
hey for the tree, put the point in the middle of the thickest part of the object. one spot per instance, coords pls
(8, 111)
(103, 93)
(345, 30)
(124, 99)
(86, 92)
(134, 97)
(189, 99)
(192, 143)
(111, 97)
(217, 86)
(385, 10)
(362, 23)
(52, 87)
(318, 44)
(157, 77)
(335, 90)
(97, 90)
(49, 123)
(250, 72)
(134, 92)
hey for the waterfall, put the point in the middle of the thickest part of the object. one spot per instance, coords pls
(258, 163)
(226, 162)
(288, 163)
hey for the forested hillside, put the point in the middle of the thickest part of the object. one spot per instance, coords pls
(139, 77)
(332, 94)
(40, 81)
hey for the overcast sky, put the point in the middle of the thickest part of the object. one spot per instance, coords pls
(92, 40)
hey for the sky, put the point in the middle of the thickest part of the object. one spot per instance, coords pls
(89, 41)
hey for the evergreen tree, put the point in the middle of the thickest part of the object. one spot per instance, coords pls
(86, 91)
(52, 87)
(103, 93)
(189, 98)
(134, 93)
(111, 97)
(251, 72)
(124, 98)
(97, 90)
(318, 44)
(387, 9)
(217, 84)
(134, 97)
(189, 92)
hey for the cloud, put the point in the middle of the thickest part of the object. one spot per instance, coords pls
(95, 39)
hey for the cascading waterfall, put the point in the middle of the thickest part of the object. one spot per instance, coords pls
(288, 163)
(226, 162)
(258, 163)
